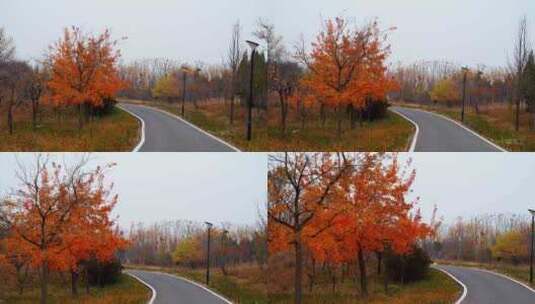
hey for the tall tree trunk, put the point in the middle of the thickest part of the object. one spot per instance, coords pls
(80, 117)
(323, 116)
(379, 261)
(34, 115)
(10, 117)
(232, 109)
(339, 117)
(44, 282)
(283, 111)
(517, 114)
(298, 268)
(74, 282)
(363, 275)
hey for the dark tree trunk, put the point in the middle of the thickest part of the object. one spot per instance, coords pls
(363, 275)
(10, 117)
(74, 282)
(34, 114)
(298, 268)
(43, 277)
(379, 261)
(283, 110)
(323, 115)
(232, 110)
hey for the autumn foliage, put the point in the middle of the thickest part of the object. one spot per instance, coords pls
(346, 67)
(59, 219)
(341, 208)
(84, 70)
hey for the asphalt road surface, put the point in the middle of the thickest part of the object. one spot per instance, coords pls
(173, 290)
(166, 133)
(488, 288)
(437, 134)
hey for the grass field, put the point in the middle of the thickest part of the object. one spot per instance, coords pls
(390, 134)
(243, 284)
(126, 291)
(437, 288)
(495, 122)
(117, 131)
(518, 272)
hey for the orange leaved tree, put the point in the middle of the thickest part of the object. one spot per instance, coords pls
(299, 185)
(84, 70)
(347, 66)
(60, 216)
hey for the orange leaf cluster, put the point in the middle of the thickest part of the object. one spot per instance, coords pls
(61, 217)
(84, 69)
(347, 67)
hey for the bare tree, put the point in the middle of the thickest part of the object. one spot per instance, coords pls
(7, 48)
(518, 64)
(14, 76)
(233, 61)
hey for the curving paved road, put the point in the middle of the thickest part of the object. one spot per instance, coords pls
(438, 134)
(173, 290)
(165, 132)
(488, 288)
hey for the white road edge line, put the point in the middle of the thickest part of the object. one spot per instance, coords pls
(142, 139)
(465, 289)
(505, 277)
(191, 125)
(415, 136)
(198, 285)
(466, 128)
(153, 297)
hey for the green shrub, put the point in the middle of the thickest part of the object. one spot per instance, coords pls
(408, 268)
(104, 273)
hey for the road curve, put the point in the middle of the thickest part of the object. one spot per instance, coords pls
(439, 134)
(164, 132)
(169, 289)
(485, 287)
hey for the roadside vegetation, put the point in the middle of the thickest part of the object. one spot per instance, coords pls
(298, 103)
(341, 231)
(497, 242)
(57, 236)
(499, 103)
(65, 100)
(126, 290)
(238, 256)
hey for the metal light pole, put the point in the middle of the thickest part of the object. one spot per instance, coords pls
(532, 245)
(185, 71)
(209, 225)
(465, 71)
(253, 46)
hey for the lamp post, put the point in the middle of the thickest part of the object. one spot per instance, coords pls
(185, 71)
(253, 46)
(209, 227)
(532, 245)
(465, 71)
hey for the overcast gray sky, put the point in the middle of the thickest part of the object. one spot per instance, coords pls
(465, 32)
(153, 187)
(222, 187)
(470, 184)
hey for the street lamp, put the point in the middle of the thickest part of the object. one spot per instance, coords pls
(465, 71)
(185, 71)
(209, 227)
(253, 46)
(532, 245)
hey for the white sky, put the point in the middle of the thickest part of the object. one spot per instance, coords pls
(154, 187)
(465, 32)
(221, 187)
(470, 184)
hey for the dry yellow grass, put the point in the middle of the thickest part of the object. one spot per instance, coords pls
(117, 131)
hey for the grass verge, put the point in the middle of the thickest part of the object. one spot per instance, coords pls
(389, 134)
(117, 131)
(437, 288)
(126, 291)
